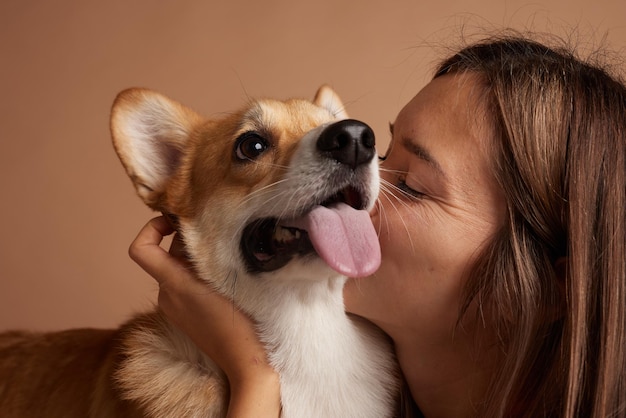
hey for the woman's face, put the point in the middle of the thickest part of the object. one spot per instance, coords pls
(439, 205)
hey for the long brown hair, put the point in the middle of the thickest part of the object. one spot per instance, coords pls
(554, 278)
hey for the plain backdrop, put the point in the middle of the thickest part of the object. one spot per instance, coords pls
(68, 212)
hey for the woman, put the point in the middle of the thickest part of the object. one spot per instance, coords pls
(503, 233)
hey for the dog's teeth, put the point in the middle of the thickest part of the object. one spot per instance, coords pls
(282, 234)
(286, 234)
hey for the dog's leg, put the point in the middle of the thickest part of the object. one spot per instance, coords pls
(164, 372)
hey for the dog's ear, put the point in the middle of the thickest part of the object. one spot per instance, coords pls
(328, 99)
(150, 133)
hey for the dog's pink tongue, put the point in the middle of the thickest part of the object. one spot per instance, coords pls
(344, 238)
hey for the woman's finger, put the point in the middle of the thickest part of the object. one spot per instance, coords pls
(146, 251)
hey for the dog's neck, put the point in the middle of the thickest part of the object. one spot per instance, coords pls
(316, 324)
(310, 339)
(307, 299)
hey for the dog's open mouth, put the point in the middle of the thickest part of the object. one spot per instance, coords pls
(339, 230)
(268, 246)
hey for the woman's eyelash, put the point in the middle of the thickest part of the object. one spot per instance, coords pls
(406, 189)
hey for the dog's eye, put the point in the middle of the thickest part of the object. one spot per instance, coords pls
(249, 146)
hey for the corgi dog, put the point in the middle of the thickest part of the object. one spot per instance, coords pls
(272, 205)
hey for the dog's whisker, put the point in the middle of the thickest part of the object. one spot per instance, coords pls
(302, 196)
(270, 164)
(288, 202)
(262, 191)
(388, 194)
(380, 209)
(395, 172)
(281, 200)
(276, 198)
(391, 188)
(383, 213)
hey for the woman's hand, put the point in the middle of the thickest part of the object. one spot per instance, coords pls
(224, 333)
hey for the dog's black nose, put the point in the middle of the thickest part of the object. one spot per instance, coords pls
(349, 142)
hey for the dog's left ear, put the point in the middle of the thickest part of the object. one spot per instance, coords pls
(328, 99)
(150, 133)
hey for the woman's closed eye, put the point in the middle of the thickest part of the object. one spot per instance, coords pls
(405, 188)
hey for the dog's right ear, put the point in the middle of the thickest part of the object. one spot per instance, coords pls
(150, 133)
(328, 99)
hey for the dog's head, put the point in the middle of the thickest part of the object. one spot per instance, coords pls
(261, 192)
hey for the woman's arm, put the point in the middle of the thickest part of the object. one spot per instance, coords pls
(225, 334)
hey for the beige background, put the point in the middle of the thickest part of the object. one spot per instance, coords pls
(68, 211)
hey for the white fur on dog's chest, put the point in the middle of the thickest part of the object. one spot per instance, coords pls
(329, 365)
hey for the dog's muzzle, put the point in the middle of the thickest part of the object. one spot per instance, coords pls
(270, 243)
